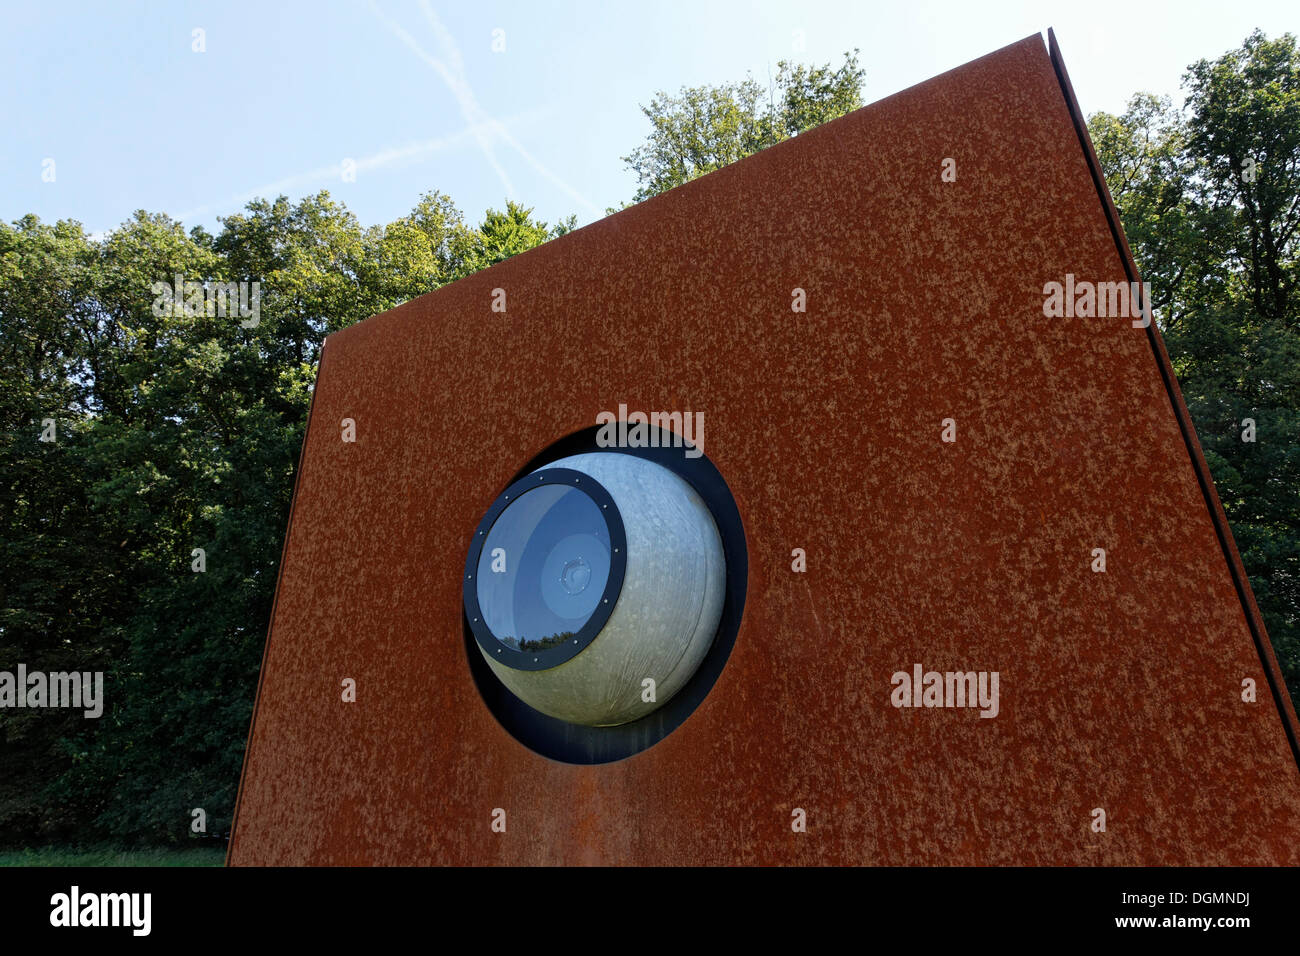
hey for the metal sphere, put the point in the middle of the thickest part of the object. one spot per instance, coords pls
(665, 615)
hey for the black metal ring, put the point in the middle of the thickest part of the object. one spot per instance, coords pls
(546, 658)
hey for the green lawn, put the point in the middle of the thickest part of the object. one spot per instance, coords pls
(66, 856)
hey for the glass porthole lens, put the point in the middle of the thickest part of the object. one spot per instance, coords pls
(543, 568)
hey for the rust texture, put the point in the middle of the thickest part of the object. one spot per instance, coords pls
(1119, 690)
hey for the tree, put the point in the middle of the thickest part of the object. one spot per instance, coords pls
(64, 567)
(1244, 131)
(506, 234)
(704, 128)
(1143, 153)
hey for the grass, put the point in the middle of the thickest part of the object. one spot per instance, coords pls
(69, 856)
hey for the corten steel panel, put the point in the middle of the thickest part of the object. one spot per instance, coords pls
(1118, 690)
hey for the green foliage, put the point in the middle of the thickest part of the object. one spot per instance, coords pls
(704, 128)
(174, 432)
(1210, 199)
(65, 566)
(59, 856)
(505, 234)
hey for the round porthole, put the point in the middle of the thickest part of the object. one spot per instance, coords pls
(545, 569)
(603, 591)
(594, 587)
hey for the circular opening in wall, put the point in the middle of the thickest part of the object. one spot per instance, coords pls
(603, 591)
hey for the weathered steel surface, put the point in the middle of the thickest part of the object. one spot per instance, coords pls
(1119, 690)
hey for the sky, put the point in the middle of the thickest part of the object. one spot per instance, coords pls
(112, 107)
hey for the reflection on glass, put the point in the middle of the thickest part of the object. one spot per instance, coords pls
(543, 568)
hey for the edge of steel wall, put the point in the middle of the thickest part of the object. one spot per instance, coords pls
(275, 604)
(1273, 672)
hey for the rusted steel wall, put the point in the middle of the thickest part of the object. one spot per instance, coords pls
(1118, 690)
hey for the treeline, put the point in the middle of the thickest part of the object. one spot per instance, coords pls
(175, 433)
(141, 536)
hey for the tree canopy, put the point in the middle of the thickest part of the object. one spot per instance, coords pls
(703, 128)
(172, 432)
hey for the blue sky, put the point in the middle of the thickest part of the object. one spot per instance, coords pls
(416, 97)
